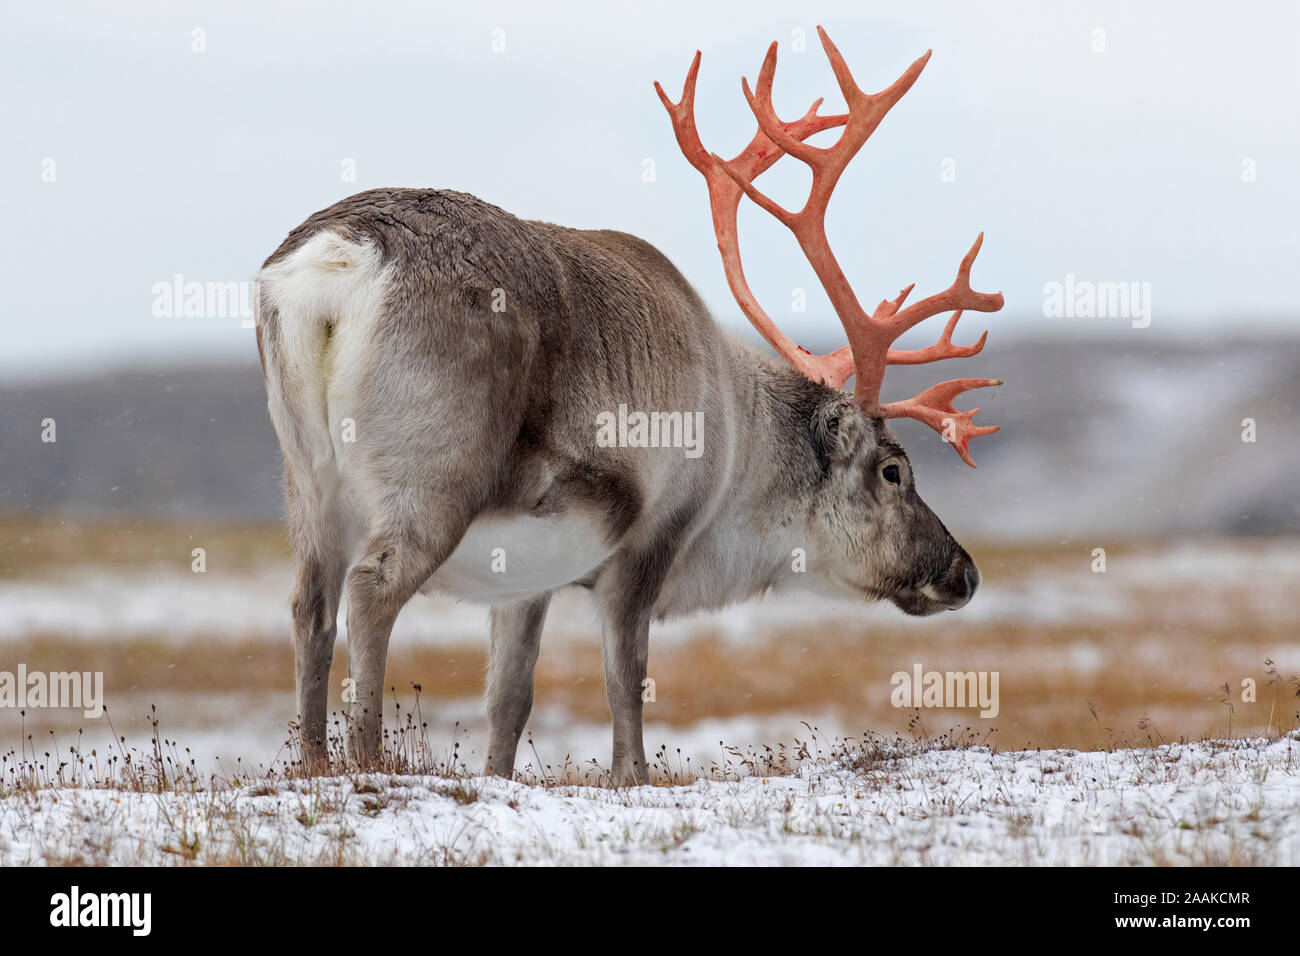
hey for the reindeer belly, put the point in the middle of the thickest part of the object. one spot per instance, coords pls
(506, 557)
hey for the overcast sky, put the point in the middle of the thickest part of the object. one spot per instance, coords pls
(1119, 155)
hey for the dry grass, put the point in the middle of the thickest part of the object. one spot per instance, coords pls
(32, 545)
(164, 765)
(1148, 692)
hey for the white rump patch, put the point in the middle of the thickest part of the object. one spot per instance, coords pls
(328, 293)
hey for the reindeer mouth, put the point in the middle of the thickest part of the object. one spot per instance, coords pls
(919, 603)
(952, 591)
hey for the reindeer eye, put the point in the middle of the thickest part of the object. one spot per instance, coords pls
(891, 474)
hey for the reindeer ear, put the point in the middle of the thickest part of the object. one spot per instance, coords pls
(837, 429)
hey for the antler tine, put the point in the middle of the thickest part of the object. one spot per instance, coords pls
(943, 349)
(886, 98)
(934, 407)
(768, 122)
(843, 75)
(682, 114)
(959, 295)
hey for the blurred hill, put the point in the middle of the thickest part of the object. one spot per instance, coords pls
(1114, 437)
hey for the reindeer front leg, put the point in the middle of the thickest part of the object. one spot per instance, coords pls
(628, 590)
(626, 652)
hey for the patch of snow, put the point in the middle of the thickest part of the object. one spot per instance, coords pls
(1203, 803)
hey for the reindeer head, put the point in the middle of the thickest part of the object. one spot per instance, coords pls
(878, 538)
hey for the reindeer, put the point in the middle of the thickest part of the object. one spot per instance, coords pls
(436, 370)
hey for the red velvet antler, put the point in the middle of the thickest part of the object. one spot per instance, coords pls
(724, 199)
(869, 335)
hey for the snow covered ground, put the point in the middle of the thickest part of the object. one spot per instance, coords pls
(1214, 802)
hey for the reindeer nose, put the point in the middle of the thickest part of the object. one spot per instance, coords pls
(964, 582)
